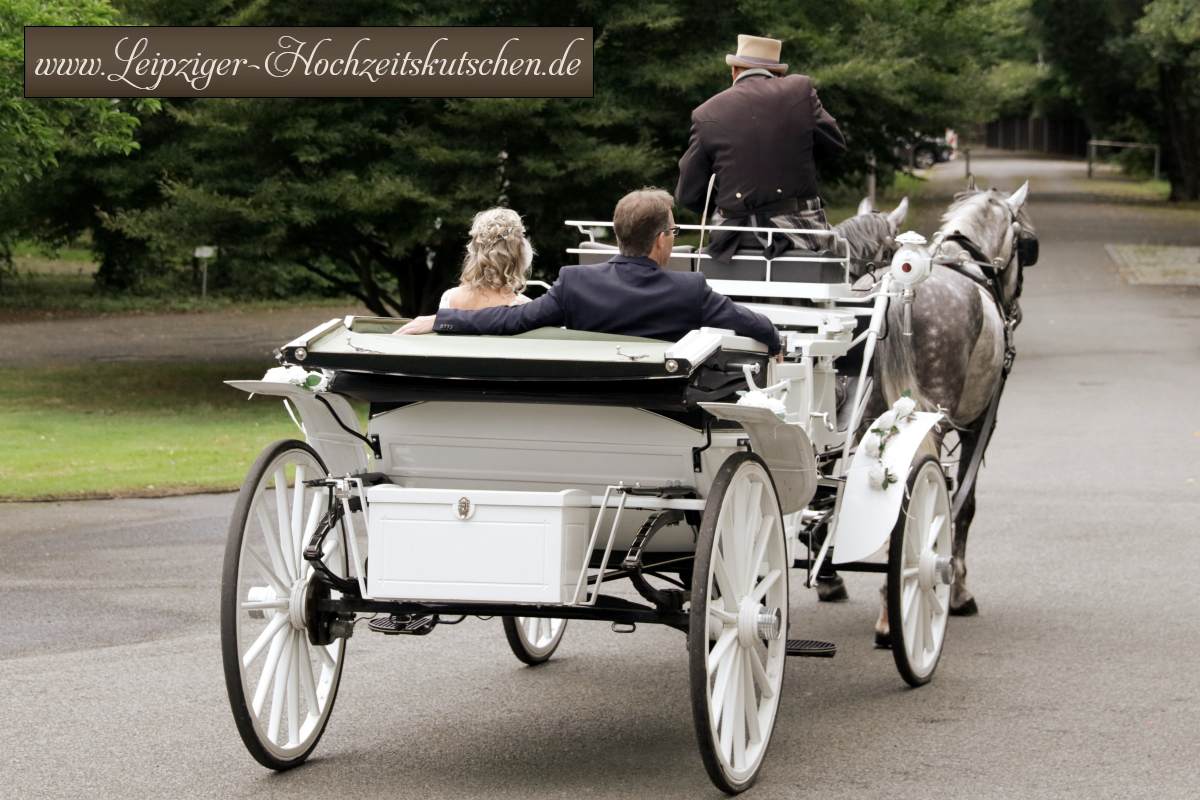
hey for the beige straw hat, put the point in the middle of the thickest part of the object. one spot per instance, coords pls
(757, 52)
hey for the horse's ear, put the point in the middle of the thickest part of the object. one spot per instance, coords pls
(865, 207)
(896, 217)
(971, 182)
(1017, 198)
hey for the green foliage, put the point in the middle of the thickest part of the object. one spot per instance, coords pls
(37, 133)
(1134, 68)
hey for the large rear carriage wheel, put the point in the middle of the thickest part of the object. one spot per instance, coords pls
(920, 570)
(281, 687)
(737, 638)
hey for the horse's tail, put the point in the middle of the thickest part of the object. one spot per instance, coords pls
(895, 367)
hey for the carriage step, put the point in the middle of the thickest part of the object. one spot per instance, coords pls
(811, 648)
(409, 624)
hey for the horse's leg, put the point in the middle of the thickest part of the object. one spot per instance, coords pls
(883, 634)
(962, 602)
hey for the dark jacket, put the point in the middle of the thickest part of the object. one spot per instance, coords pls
(626, 295)
(762, 137)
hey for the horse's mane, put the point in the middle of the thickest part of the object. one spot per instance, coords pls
(968, 215)
(865, 233)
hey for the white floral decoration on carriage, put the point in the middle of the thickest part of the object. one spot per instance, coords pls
(886, 426)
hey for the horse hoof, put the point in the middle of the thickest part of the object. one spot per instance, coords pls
(883, 641)
(967, 608)
(832, 590)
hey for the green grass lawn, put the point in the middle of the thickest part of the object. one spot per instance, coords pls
(140, 429)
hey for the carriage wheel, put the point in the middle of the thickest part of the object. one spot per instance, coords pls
(737, 637)
(534, 639)
(281, 688)
(920, 570)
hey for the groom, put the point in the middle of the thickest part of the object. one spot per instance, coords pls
(628, 294)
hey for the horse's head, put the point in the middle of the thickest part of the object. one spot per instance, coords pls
(992, 228)
(871, 235)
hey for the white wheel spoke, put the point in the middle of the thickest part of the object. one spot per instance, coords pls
(268, 574)
(724, 582)
(285, 525)
(936, 603)
(268, 671)
(307, 681)
(751, 708)
(272, 539)
(760, 675)
(293, 695)
(926, 625)
(764, 586)
(910, 573)
(252, 605)
(726, 640)
(760, 549)
(725, 617)
(721, 685)
(909, 617)
(927, 493)
(280, 687)
(749, 529)
(906, 599)
(935, 530)
(297, 516)
(737, 718)
(729, 703)
(916, 645)
(273, 627)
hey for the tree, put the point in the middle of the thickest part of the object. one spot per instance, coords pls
(37, 133)
(1133, 67)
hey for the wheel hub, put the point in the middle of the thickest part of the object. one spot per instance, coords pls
(935, 570)
(298, 605)
(757, 622)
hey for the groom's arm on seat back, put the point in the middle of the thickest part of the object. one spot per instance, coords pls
(718, 311)
(546, 311)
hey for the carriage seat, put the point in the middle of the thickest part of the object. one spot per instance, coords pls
(788, 271)
(603, 251)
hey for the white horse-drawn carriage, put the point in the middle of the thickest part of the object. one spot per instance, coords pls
(562, 475)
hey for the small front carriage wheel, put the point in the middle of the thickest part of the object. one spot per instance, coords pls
(534, 639)
(281, 688)
(738, 622)
(920, 570)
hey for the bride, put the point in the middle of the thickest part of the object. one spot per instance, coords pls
(496, 265)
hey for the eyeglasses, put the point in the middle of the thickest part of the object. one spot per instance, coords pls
(673, 230)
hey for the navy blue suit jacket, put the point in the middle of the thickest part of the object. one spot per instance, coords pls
(627, 295)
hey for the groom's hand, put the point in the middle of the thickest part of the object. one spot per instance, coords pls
(419, 325)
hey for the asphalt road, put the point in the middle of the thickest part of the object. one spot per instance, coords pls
(1078, 679)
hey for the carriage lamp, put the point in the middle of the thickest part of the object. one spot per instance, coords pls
(912, 263)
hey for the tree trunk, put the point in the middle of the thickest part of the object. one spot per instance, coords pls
(1181, 109)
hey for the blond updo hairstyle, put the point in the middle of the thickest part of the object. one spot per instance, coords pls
(498, 253)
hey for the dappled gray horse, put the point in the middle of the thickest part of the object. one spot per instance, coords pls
(959, 350)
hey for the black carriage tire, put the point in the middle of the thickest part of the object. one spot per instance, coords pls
(894, 585)
(698, 624)
(520, 648)
(230, 657)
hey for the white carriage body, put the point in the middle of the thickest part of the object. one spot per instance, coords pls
(469, 447)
